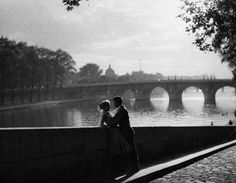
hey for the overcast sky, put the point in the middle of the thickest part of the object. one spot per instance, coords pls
(120, 33)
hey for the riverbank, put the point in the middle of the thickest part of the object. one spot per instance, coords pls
(43, 103)
(159, 170)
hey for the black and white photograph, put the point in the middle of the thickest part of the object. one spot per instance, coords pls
(111, 91)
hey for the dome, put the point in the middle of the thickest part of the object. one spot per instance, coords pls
(110, 72)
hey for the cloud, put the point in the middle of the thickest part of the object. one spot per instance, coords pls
(110, 32)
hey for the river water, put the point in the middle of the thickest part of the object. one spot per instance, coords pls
(156, 112)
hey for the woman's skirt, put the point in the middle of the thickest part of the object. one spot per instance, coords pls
(117, 143)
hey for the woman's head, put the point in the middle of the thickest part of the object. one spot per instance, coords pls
(105, 105)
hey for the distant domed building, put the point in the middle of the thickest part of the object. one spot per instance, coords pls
(110, 73)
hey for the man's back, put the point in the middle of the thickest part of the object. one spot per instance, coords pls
(122, 117)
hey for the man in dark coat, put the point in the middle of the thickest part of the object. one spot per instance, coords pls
(121, 119)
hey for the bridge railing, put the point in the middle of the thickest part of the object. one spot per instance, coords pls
(155, 81)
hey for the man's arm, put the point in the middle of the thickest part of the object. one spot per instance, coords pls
(115, 121)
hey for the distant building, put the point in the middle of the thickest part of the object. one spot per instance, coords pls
(141, 76)
(110, 73)
(137, 76)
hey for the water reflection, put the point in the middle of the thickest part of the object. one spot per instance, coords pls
(160, 104)
(155, 112)
(143, 106)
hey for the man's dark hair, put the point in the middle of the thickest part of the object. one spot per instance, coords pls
(118, 99)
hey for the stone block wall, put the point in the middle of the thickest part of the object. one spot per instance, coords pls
(69, 154)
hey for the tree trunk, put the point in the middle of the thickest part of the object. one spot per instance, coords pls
(39, 91)
(54, 87)
(31, 88)
(61, 81)
(31, 94)
(2, 89)
(22, 90)
(14, 85)
(22, 86)
(47, 86)
(12, 95)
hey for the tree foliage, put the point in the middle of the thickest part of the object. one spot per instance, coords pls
(70, 4)
(213, 22)
(28, 67)
(90, 73)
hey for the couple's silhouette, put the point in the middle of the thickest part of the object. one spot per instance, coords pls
(122, 147)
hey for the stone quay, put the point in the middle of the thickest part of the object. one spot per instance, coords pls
(217, 168)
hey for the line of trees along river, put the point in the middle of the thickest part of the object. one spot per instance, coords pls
(26, 68)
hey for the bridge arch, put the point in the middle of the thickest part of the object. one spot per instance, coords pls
(223, 87)
(225, 99)
(176, 92)
(192, 92)
(143, 93)
(209, 92)
(128, 94)
(125, 92)
(225, 92)
(159, 92)
(159, 98)
(193, 99)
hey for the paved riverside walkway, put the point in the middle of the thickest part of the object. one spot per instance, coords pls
(218, 168)
(194, 174)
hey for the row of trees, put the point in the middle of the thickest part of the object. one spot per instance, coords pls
(24, 67)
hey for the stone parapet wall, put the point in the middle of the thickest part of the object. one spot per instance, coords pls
(67, 154)
(162, 142)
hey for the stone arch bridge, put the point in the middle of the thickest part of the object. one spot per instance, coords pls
(142, 90)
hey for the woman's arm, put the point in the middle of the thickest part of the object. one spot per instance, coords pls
(103, 120)
(101, 123)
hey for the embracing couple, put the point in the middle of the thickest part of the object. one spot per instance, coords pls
(122, 145)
